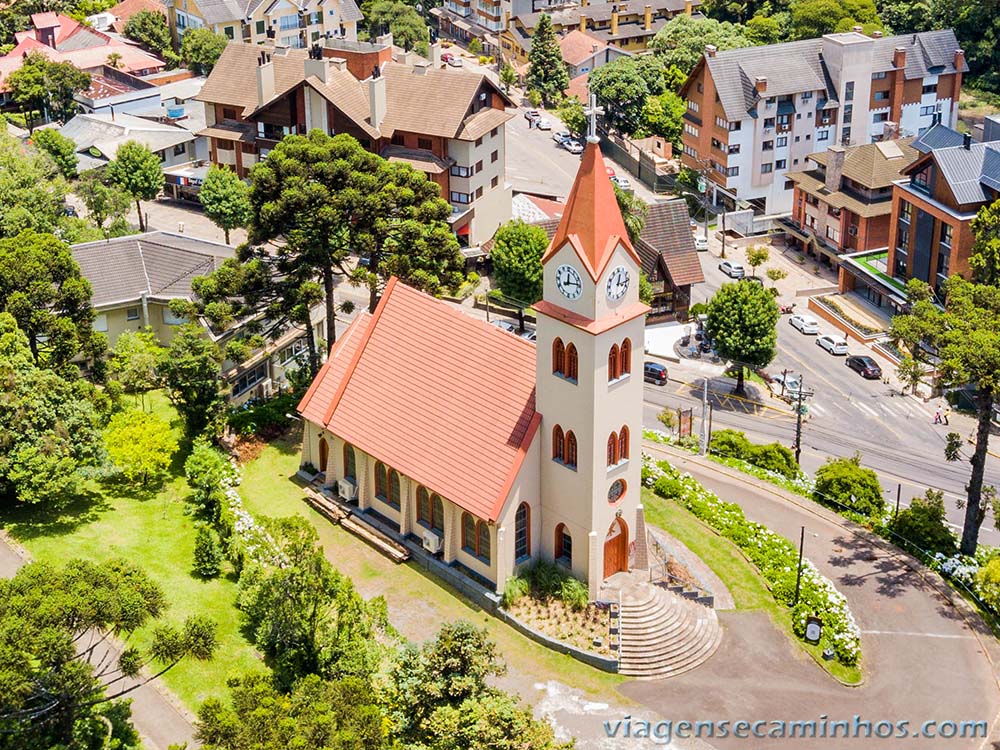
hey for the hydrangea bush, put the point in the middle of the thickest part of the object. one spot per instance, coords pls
(248, 540)
(774, 556)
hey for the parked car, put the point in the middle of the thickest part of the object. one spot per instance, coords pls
(833, 343)
(865, 366)
(804, 323)
(732, 270)
(529, 335)
(544, 123)
(561, 136)
(532, 114)
(505, 325)
(654, 372)
(609, 170)
(446, 57)
(574, 147)
(623, 183)
(700, 243)
(791, 382)
(455, 61)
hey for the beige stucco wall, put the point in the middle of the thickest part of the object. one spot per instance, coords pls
(117, 321)
(494, 207)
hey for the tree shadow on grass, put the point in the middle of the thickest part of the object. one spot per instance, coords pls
(84, 507)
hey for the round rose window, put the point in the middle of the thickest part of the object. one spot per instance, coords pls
(616, 491)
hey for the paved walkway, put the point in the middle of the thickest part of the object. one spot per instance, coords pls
(157, 715)
(926, 654)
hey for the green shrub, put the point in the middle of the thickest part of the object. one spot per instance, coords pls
(267, 418)
(207, 553)
(574, 594)
(988, 583)
(774, 457)
(545, 579)
(843, 482)
(668, 487)
(514, 590)
(698, 308)
(923, 524)
(731, 443)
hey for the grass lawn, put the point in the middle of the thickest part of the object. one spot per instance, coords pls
(152, 532)
(739, 574)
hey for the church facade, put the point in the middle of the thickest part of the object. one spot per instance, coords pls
(491, 450)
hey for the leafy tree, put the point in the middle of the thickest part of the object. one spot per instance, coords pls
(407, 26)
(845, 482)
(226, 199)
(104, 200)
(988, 583)
(316, 715)
(682, 40)
(763, 30)
(49, 428)
(910, 373)
(41, 84)
(149, 28)
(925, 525)
(645, 289)
(622, 89)
(190, 374)
(41, 287)
(985, 258)
(306, 617)
(633, 211)
(964, 336)
(207, 553)
(137, 171)
(668, 418)
(201, 48)
(59, 691)
(977, 26)
(208, 472)
(133, 360)
(570, 113)
(547, 72)
(475, 46)
(742, 320)
(60, 148)
(517, 260)
(906, 16)
(757, 255)
(776, 275)
(141, 445)
(662, 115)
(508, 76)
(114, 60)
(493, 722)
(814, 18)
(32, 192)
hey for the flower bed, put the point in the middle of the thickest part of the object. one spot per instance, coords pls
(556, 619)
(774, 556)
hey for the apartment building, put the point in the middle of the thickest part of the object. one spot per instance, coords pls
(842, 200)
(290, 23)
(626, 25)
(448, 123)
(755, 114)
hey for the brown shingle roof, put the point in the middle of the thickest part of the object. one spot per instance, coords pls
(875, 165)
(809, 183)
(667, 234)
(577, 46)
(233, 80)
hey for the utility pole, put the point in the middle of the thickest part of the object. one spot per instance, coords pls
(723, 256)
(799, 409)
(798, 569)
(899, 491)
(704, 417)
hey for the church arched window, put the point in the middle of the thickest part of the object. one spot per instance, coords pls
(350, 470)
(381, 480)
(626, 357)
(571, 450)
(522, 532)
(612, 449)
(558, 444)
(564, 545)
(572, 363)
(614, 363)
(558, 357)
(395, 493)
(623, 443)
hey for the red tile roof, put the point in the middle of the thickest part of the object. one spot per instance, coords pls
(591, 221)
(577, 46)
(128, 8)
(578, 87)
(441, 397)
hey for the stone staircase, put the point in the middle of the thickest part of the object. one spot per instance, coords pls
(661, 633)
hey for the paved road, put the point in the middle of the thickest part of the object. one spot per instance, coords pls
(157, 716)
(926, 655)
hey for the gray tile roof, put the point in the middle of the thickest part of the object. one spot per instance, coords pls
(158, 264)
(964, 168)
(938, 136)
(991, 168)
(222, 11)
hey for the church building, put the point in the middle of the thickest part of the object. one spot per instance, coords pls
(489, 449)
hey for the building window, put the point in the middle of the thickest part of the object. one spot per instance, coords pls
(946, 235)
(768, 122)
(612, 449)
(571, 450)
(288, 22)
(732, 171)
(880, 117)
(460, 197)
(823, 135)
(879, 76)
(293, 351)
(767, 146)
(460, 171)
(522, 532)
(626, 357)
(228, 114)
(430, 510)
(424, 143)
(782, 141)
(398, 139)
(101, 323)
(928, 111)
(558, 357)
(845, 136)
(479, 166)
(922, 179)
(781, 164)
(564, 546)
(172, 320)
(479, 193)
(381, 480)
(476, 537)
(766, 168)
(131, 313)
(558, 444)
(350, 467)
(259, 27)
(905, 211)
(623, 444)
(395, 493)
(494, 157)
(849, 91)
(930, 88)
(249, 379)
(494, 182)
(572, 363)
(722, 122)
(807, 95)
(228, 31)
(734, 126)
(881, 96)
(692, 105)
(614, 363)
(734, 148)
(493, 133)
(180, 149)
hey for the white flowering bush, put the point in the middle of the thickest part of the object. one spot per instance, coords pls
(774, 556)
(248, 541)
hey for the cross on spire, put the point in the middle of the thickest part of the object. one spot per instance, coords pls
(592, 111)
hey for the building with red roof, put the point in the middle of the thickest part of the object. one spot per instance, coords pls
(489, 450)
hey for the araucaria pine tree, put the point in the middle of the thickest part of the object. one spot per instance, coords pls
(547, 73)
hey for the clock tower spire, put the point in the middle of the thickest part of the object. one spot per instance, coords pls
(589, 382)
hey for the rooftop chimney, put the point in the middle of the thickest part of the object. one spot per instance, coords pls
(857, 29)
(876, 35)
(420, 67)
(899, 58)
(377, 104)
(890, 131)
(594, 48)
(688, 7)
(760, 84)
(583, 22)
(614, 22)
(834, 167)
(265, 78)
(710, 50)
(959, 59)
(436, 54)
(648, 18)
(967, 141)
(315, 65)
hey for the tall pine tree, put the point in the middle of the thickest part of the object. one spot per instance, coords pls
(547, 72)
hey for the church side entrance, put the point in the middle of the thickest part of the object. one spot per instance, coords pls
(616, 548)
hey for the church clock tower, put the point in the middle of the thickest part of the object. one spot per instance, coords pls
(589, 382)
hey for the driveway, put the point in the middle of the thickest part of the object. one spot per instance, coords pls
(926, 654)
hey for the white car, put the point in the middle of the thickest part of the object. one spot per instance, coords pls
(574, 147)
(700, 243)
(806, 324)
(455, 61)
(791, 382)
(623, 183)
(732, 270)
(544, 124)
(833, 343)
(561, 136)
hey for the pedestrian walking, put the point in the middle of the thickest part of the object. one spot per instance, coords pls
(946, 413)
(937, 416)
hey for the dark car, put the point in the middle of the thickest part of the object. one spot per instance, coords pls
(866, 367)
(654, 372)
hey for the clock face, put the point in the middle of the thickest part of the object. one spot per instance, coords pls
(568, 282)
(618, 283)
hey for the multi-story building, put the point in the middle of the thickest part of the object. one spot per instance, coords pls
(448, 123)
(933, 205)
(626, 25)
(291, 23)
(842, 201)
(755, 114)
